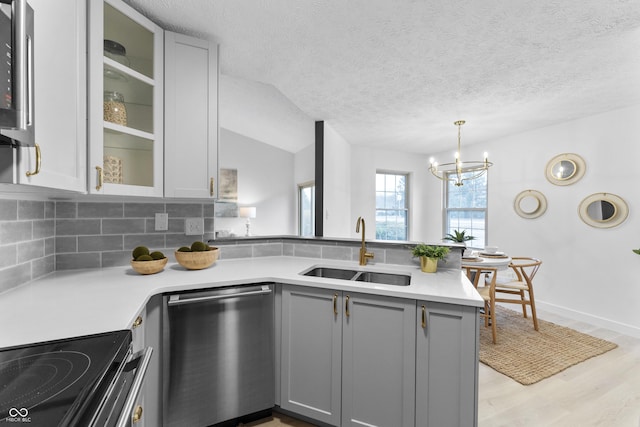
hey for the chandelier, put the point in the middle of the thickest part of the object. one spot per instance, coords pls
(454, 171)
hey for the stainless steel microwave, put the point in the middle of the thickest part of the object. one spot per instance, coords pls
(16, 73)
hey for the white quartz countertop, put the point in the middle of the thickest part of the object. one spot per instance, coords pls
(80, 302)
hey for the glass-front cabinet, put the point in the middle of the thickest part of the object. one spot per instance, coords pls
(125, 101)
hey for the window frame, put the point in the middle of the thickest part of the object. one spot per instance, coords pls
(407, 198)
(301, 187)
(445, 210)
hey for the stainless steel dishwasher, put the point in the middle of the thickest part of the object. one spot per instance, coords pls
(218, 355)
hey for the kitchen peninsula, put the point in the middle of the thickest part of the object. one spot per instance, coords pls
(441, 363)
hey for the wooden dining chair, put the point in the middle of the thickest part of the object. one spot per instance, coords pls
(519, 290)
(487, 292)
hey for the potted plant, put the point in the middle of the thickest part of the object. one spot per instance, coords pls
(429, 256)
(459, 237)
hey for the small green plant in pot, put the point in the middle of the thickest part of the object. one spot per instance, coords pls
(429, 256)
(459, 237)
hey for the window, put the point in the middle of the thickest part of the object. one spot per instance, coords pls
(392, 210)
(466, 209)
(306, 209)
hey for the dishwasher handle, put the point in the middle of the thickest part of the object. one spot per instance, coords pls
(181, 300)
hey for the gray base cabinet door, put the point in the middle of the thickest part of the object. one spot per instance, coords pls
(378, 364)
(311, 353)
(446, 365)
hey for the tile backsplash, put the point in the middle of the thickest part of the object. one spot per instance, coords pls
(27, 241)
(39, 237)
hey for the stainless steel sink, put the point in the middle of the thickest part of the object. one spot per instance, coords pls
(360, 276)
(384, 278)
(332, 273)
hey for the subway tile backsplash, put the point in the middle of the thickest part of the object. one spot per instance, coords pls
(27, 241)
(40, 237)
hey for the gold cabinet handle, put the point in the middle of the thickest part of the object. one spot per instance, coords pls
(137, 322)
(424, 317)
(137, 414)
(335, 304)
(211, 186)
(100, 177)
(38, 162)
(346, 306)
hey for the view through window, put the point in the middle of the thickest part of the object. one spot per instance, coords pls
(306, 209)
(466, 209)
(392, 210)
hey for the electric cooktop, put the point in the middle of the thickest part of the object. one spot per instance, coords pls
(54, 383)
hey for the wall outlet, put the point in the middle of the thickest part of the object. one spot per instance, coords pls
(162, 222)
(193, 226)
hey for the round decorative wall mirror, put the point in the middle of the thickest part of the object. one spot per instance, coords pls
(530, 204)
(603, 210)
(565, 169)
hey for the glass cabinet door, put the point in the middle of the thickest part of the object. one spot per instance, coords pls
(126, 78)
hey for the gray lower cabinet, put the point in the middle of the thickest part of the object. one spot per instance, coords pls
(311, 352)
(446, 365)
(348, 358)
(378, 361)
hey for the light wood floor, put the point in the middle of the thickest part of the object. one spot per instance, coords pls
(600, 392)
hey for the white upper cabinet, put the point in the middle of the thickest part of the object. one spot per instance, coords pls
(59, 42)
(191, 117)
(125, 101)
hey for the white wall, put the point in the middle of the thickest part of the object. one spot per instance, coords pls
(366, 161)
(260, 129)
(587, 270)
(587, 273)
(338, 219)
(262, 112)
(265, 180)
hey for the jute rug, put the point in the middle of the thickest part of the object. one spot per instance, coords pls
(528, 356)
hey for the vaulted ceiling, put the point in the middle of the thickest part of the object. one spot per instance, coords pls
(398, 73)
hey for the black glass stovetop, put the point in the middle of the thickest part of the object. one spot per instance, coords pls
(56, 383)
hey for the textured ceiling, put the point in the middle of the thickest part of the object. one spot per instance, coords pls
(398, 73)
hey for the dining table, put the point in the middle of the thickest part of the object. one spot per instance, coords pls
(498, 260)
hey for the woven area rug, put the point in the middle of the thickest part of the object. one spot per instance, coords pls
(528, 356)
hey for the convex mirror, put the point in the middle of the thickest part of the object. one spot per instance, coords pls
(603, 210)
(565, 169)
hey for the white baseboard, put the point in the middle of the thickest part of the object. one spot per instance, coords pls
(622, 328)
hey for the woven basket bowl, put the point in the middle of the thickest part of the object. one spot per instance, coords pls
(149, 267)
(197, 260)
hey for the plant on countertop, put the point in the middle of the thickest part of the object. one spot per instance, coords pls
(459, 236)
(636, 251)
(430, 251)
(429, 256)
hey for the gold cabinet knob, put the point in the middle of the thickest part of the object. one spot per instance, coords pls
(137, 322)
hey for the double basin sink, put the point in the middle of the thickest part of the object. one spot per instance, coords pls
(381, 278)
